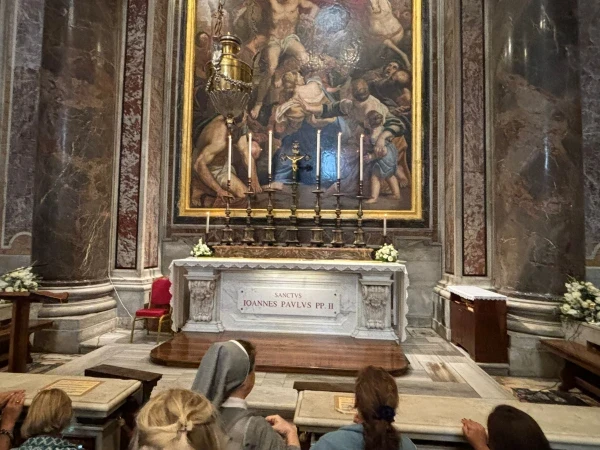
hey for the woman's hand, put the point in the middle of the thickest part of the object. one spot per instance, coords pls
(12, 411)
(5, 397)
(475, 434)
(285, 429)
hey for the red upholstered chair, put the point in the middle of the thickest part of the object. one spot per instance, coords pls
(159, 307)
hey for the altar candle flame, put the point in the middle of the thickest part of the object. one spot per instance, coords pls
(229, 160)
(362, 137)
(249, 156)
(339, 154)
(318, 152)
(270, 150)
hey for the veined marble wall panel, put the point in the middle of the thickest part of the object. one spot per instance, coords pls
(155, 134)
(450, 90)
(131, 135)
(22, 41)
(473, 138)
(589, 42)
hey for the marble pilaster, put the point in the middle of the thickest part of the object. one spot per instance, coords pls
(589, 38)
(21, 25)
(142, 142)
(73, 175)
(536, 167)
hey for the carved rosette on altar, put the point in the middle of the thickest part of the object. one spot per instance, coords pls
(204, 308)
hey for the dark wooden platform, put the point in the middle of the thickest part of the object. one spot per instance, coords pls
(290, 353)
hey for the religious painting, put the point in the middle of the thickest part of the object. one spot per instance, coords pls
(347, 71)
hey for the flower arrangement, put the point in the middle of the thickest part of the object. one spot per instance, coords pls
(387, 253)
(581, 302)
(19, 280)
(201, 250)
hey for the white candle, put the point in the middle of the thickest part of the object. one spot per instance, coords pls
(270, 150)
(207, 221)
(362, 137)
(318, 152)
(229, 160)
(339, 153)
(385, 225)
(249, 155)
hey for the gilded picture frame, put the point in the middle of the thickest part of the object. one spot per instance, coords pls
(188, 200)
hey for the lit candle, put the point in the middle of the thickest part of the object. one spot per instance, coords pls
(270, 149)
(207, 221)
(384, 225)
(229, 160)
(362, 137)
(339, 156)
(249, 155)
(318, 152)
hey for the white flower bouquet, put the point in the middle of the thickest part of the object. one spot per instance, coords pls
(19, 280)
(201, 250)
(387, 253)
(581, 302)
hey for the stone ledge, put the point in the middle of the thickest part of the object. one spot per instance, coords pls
(240, 251)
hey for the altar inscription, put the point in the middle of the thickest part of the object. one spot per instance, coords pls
(289, 302)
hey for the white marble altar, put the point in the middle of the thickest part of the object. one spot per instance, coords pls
(364, 299)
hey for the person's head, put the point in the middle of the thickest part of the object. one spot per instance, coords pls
(179, 419)
(510, 428)
(289, 81)
(49, 414)
(375, 119)
(391, 69)
(226, 369)
(402, 77)
(376, 402)
(360, 89)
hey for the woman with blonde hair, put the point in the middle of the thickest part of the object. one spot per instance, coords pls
(376, 403)
(178, 419)
(49, 414)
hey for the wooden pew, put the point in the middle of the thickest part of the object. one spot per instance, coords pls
(582, 365)
(34, 325)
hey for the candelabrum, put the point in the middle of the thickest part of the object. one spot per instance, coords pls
(317, 230)
(359, 234)
(338, 235)
(248, 229)
(227, 238)
(269, 238)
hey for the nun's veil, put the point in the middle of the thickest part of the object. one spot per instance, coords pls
(222, 370)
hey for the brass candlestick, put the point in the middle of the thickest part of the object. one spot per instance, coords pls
(269, 238)
(249, 230)
(295, 158)
(338, 235)
(227, 238)
(359, 234)
(317, 230)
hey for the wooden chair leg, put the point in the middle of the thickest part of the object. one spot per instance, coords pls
(147, 327)
(160, 322)
(132, 331)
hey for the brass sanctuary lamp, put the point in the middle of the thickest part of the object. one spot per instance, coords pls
(229, 86)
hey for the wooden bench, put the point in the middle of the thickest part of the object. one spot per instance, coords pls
(5, 329)
(582, 365)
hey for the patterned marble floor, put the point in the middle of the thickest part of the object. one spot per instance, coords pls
(438, 368)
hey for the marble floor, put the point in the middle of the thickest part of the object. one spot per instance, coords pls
(438, 368)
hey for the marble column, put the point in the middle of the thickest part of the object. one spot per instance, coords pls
(536, 168)
(73, 176)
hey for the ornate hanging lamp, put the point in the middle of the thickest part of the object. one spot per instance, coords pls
(229, 84)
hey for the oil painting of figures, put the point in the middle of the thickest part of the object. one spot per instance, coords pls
(319, 65)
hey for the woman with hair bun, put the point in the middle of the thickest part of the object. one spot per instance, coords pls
(376, 402)
(178, 419)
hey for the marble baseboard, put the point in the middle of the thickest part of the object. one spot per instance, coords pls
(418, 321)
(527, 359)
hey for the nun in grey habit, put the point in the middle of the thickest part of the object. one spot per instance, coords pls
(225, 377)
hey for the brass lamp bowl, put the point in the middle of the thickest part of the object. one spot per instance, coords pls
(229, 79)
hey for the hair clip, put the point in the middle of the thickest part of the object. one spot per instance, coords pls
(387, 413)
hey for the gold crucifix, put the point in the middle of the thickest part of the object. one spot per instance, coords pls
(295, 158)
